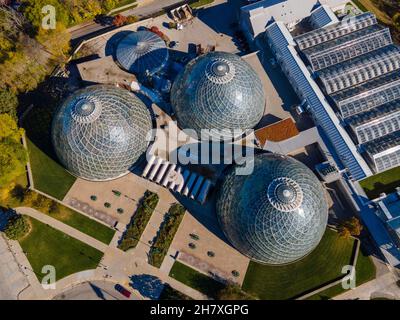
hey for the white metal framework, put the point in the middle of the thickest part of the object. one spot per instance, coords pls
(361, 69)
(366, 98)
(384, 152)
(346, 26)
(344, 151)
(376, 123)
(349, 50)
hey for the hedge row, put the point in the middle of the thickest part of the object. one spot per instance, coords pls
(166, 234)
(139, 221)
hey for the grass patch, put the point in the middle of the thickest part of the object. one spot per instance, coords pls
(320, 267)
(369, 5)
(45, 245)
(200, 3)
(360, 6)
(166, 234)
(386, 181)
(139, 221)
(84, 224)
(130, 7)
(196, 280)
(169, 293)
(365, 271)
(48, 175)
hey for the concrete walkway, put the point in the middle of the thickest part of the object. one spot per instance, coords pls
(381, 287)
(62, 227)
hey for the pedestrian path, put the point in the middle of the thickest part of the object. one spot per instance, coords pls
(62, 227)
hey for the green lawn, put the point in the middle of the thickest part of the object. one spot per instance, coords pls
(169, 293)
(48, 175)
(360, 6)
(45, 245)
(195, 279)
(322, 266)
(84, 224)
(386, 182)
(200, 3)
(365, 271)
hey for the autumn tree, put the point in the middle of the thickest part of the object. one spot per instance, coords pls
(119, 20)
(350, 227)
(13, 156)
(8, 103)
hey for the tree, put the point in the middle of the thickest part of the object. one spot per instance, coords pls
(396, 20)
(17, 227)
(8, 103)
(55, 41)
(13, 156)
(351, 227)
(119, 20)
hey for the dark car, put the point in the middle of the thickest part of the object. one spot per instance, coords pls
(123, 291)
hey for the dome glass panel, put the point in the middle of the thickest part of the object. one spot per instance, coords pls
(276, 215)
(99, 132)
(142, 53)
(218, 91)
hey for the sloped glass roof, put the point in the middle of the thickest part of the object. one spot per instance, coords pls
(218, 91)
(277, 214)
(99, 132)
(142, 53)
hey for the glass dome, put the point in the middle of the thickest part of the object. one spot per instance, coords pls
(218, 91)
(277, 214)
(142, 53)
(99, 132)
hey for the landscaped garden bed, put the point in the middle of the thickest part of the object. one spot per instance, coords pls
(139, 221)
(166, 234)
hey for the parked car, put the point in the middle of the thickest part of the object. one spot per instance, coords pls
(123, 291)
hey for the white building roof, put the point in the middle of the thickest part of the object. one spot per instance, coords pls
(287, 11)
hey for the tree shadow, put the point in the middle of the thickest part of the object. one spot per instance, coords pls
(149, 286)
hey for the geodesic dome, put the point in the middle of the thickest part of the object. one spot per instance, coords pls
(277, 214)
(142, 52)
(99, 132)
(218, 91)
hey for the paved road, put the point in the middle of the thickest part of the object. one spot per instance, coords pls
(144, 8)
(94, 290)
(12, 280)
(62, 227)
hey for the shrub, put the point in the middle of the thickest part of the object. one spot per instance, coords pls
(117, 193)
(18, 193)
(107, 204)
(235, 273)
(93, 197)
(191, 245)
(194, 236)
(166, 234)
(139, 221)
(120, 210)
(131, 19)
(17, 227)
(119, 20)
(233, 292)
(211, 254)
